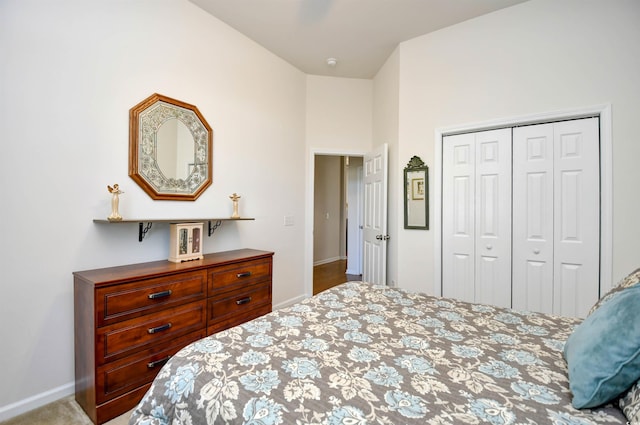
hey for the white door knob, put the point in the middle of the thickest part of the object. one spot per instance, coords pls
(536, 251)
(489, 247)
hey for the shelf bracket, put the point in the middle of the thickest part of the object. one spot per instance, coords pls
(142, 230)
(212, 228)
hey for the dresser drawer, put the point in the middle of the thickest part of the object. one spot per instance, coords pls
(231, 321)
(237, 302)
(118, 377)
(240, 274)
(128, 337)
(121, 302)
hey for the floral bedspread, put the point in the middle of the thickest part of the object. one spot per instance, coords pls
(365, 354)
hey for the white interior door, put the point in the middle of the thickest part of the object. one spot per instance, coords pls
(533, 218)
(476, 217)
(458, 216)
(576, 216)
(375, 216)
(493, 217)
(556, 223)
(354, 210)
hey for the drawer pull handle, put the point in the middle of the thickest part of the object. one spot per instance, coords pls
(159, 328)
(162, 294)
(160, 362)
(245, 274)
(244, 301)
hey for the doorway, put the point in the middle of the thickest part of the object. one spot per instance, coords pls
(337, 222)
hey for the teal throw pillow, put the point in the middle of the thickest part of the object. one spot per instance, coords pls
(603, 352)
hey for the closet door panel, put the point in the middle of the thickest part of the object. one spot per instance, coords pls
(536, 293)
(533, 218)
(458, 205)
(486, 290)
(577, 216)
(567, 296)
(493, 217)
(521, 221)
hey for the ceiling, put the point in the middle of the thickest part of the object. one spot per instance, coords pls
(359, 34)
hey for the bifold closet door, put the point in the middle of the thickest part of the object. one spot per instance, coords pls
(556, 217)
(476, 217)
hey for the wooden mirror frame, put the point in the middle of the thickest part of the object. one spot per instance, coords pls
(144, 120)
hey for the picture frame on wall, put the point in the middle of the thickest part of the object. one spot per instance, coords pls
(417, 189)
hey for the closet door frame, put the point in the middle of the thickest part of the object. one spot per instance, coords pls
(603, 112)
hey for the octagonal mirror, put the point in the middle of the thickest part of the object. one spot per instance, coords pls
(170, 149)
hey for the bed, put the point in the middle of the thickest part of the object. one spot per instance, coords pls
(366, 354)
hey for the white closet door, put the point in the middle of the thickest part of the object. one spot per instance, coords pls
(458, 217)
(576, 216)
(493, 217)
(533, 218)
(476, 233)
(556, 221)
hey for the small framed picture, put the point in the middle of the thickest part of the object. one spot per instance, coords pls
(417, 189)
(185, 242)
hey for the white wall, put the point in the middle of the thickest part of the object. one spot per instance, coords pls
(539, 56)
(339, 113)
(70, 72)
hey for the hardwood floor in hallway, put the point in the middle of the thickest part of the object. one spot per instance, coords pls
(328, 275)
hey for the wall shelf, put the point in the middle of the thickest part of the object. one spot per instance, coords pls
(144, 224)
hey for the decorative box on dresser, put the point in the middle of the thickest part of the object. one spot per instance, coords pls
(129, 320)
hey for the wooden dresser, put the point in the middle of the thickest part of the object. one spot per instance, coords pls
(129, 320)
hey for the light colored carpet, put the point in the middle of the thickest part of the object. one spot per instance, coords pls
(62, 412)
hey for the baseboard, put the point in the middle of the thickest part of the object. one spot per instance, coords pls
(289, 302)
(327, 261)
(30, 403)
